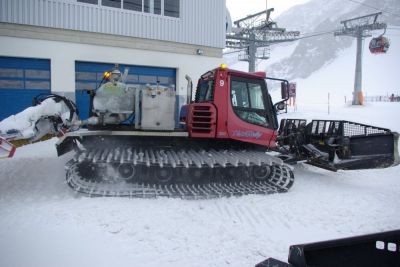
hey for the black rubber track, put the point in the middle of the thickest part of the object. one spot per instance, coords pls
(110, 179)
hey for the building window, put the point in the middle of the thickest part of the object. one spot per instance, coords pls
(95, 2)
(152, 6)
(147, 79)
(168, 8)
(11, 73)
(11, 84)
(135, 5)
(111, 3)
(26, 73)
(171, 8)
(42, 85)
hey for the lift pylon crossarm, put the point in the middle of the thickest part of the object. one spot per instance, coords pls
(292, 35)
(361, 29)
(257, 31)
(253, 17)
(361, 25)
(362, 19)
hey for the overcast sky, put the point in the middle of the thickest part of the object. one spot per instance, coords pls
(240, 8)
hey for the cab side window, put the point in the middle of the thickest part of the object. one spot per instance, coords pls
(256, 96)
(240, 97)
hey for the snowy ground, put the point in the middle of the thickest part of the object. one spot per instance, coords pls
(43, 223)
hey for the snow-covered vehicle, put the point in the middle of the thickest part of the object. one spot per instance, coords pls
(135, 146)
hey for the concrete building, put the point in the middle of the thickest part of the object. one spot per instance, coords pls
(64, 46)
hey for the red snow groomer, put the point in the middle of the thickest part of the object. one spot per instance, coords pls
(219, 146)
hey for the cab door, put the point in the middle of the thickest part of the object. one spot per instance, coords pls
(250, 113)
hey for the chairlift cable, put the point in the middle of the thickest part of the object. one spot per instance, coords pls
(315, 35)
(232, 52)
(379, 9)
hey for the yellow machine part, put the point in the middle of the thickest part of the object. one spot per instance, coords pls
(23, 142)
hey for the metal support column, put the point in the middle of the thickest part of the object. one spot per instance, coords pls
(357, 95)
(252, 54)
(360, 28)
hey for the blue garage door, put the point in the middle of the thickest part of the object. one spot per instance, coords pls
(20, 80)
(88, 76)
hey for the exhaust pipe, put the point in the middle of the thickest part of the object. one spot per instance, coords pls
(396, 149)
(189, 89)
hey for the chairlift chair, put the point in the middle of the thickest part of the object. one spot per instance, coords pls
(379, 45)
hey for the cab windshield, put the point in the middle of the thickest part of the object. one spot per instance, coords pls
(205, 91)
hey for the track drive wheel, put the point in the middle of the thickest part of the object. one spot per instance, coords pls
(163, 175)
(89, 171)
(232, 173)
(261, 173)
(126, 171)
(199, 175)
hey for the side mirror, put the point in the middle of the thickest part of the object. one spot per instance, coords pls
(280, 105)
(284, 90)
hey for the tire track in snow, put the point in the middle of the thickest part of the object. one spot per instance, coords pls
(246, 215)
(33, 179)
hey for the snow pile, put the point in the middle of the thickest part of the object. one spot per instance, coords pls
(44, 223)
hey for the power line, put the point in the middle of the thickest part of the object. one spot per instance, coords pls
(305, 36)
(379, 9)
(316, 34)
(319, 33)
(232, 52)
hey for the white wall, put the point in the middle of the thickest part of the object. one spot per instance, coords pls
(63, 56)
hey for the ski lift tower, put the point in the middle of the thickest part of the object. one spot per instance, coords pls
(360, 28)
(257, 31)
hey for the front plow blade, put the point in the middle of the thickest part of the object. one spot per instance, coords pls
(334, 145)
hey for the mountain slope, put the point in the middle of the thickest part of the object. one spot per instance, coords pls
(324, 16)
(326, 63)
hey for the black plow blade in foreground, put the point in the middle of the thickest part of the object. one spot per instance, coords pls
(381, 249)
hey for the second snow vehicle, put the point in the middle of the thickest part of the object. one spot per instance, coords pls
(134, 145)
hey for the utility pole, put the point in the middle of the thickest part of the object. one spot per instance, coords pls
(257, 31)
(360, 28)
